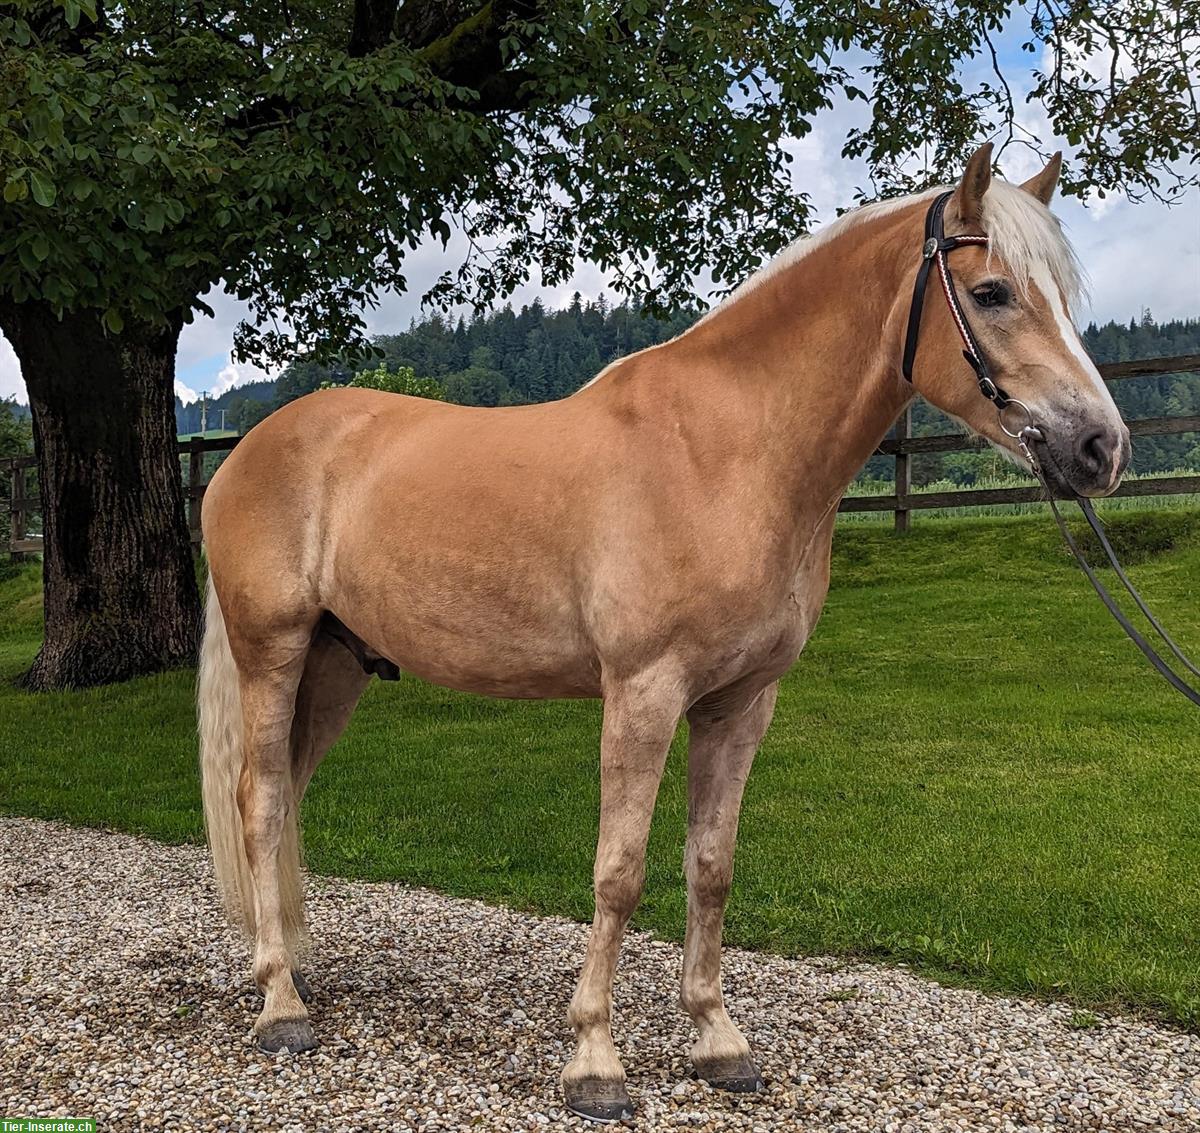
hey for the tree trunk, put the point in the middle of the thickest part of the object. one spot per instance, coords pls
(120, 587)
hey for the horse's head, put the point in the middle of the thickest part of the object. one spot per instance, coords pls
(1015, 293)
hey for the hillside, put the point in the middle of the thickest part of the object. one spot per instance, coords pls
(242, 407)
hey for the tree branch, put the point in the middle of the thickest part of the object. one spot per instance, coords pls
(420, 22)
(458, 40)
(373, 24)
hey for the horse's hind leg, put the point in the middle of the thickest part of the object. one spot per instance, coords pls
(639, 722)
(331, 686)
(721, 747)
(330, 689)
(270, 672)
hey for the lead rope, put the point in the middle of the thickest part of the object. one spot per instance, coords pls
(1151, 654)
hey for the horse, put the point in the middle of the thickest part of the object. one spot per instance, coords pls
(659, 539)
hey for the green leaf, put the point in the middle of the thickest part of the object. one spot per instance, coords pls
(43, 188)
(143, 154)
(40, 247)
(113, 320)
(16, 189)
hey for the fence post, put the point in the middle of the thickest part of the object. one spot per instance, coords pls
(194, 479)
(903, 469)
(16, 510)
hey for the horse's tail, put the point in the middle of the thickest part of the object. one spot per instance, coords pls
(219, 708)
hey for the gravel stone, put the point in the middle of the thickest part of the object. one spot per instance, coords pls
(124, 996)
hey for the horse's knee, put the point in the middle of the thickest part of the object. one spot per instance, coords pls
(618, 885)
(709, 874)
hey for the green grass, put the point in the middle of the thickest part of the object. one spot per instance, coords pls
(970, 769)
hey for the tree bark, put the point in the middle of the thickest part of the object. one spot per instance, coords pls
(119, 582)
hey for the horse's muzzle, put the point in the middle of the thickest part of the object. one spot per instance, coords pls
(1101, 456)
(1089, 462)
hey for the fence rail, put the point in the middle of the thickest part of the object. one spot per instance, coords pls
(902, 447)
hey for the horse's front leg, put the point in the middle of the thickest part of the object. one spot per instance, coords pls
(721, 748)
(640, 718)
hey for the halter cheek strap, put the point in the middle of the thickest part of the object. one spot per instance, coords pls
(937, 244)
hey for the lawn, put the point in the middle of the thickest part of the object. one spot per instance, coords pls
(970, 769)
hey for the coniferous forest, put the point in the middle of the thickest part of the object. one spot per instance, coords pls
(512, 357)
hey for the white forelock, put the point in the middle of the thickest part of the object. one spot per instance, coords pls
(1028, 239)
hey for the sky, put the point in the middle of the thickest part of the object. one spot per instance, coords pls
(1137, 255)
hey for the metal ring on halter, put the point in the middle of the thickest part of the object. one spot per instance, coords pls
(1015, 434)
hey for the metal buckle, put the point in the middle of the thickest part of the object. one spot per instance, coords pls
(930, 249)
(1025, 435)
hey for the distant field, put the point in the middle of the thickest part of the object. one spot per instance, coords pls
(970, 769)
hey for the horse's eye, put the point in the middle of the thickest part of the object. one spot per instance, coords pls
(994, 294)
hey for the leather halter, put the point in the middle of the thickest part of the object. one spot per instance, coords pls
(933, 252)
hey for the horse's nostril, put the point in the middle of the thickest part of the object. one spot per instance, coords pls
(1096, 451)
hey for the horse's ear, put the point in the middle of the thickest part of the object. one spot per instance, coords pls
(1042, 185)
(968, 197)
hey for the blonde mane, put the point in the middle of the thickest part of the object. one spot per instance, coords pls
(1024, 235)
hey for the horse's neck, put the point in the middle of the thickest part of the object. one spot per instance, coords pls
(800, 372)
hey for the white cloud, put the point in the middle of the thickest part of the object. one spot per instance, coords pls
(238, 374)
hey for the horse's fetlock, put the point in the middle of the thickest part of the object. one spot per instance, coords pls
(701, 999)
(270, 968)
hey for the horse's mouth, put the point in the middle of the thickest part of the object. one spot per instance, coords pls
(1051, 473)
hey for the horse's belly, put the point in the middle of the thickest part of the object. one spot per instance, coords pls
(505, 650)
(520, 679)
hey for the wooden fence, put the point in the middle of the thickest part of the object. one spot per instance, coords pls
(902, 447)
(20, 506)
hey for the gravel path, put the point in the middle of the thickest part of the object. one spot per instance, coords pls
(123, 996)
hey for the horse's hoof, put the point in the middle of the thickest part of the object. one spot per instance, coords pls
(737, 1075)
(598, 1100)
(287, 1036)
(302, 988)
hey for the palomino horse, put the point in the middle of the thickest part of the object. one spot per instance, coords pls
(660, 539)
